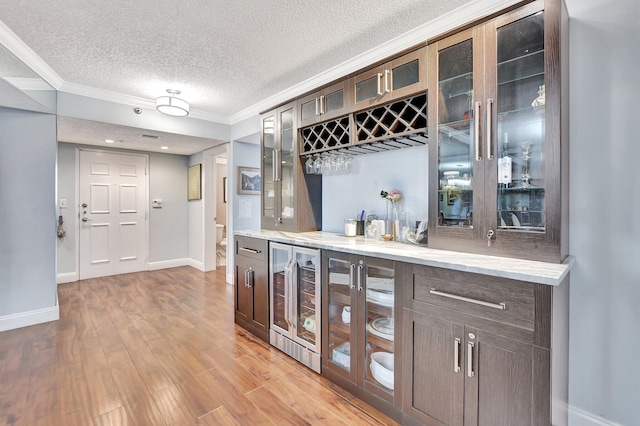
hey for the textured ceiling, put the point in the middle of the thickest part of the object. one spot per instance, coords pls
(224, 56)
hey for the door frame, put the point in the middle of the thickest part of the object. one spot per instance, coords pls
(210, 197)
(77, 200)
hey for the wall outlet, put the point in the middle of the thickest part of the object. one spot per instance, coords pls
(63, 203)
(156, 204)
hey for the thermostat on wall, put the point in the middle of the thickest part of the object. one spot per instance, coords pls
(156, 204)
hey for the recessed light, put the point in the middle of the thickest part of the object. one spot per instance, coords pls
(108, 140)
(164, 147)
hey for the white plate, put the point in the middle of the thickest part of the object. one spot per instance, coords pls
(382, 368)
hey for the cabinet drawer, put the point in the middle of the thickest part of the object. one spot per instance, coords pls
(253, 248)
(507, 301)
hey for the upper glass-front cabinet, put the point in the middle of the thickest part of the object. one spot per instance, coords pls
(396, 79)
(290, 201)
(279, 166)
(323, 105)
(495, 166)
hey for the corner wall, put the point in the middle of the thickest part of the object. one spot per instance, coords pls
(605, 212)
(28, 293)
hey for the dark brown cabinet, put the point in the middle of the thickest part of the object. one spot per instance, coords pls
(497, 120)
(477, 349)
(361, 328)
(398, 78)
(251, 286)
(290, 199)
(325, 104)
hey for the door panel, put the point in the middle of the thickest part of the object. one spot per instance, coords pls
(113, 227)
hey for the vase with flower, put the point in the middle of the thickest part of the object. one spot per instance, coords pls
(393, 197)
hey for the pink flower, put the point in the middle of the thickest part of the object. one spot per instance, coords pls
(394, 195)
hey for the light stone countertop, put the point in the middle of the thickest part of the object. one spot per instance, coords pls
(517, 269)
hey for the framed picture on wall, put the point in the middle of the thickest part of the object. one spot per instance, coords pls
(194, 179)
(249, 181)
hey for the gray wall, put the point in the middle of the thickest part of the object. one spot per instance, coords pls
(168, 226)
(346, 195)
(605, 211)
(27, 211)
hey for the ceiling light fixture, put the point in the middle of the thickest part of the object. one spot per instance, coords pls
(108, 140)
(171, 105)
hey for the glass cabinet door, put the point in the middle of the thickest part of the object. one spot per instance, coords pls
(379, 318)
(268, 173)
(280, 288)
(286, 160)
(340, 341)
(456, 115)
(520, 132)
(307, 287)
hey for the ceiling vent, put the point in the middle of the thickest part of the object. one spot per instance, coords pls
(150, 136)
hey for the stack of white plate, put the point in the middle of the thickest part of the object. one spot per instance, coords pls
(382, 368)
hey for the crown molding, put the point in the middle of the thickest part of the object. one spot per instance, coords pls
(23, 53)
(109, 96)
(468, 12)
(29, 83)
(440, 25)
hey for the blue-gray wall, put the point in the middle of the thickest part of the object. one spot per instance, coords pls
(27, 211)
(605, 211)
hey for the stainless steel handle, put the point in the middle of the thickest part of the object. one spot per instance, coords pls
(292, 283)
(470, 346)
(250, 250)
(323, 104)
(352, 268)
(456, 355)
(278, 164)
(246, 278)
(273, 165)
(502, 306)
(250, 277)
(379, 92)
(476, 130)
(489, 129)
(386, 81)
(318, 106)
(360, 268)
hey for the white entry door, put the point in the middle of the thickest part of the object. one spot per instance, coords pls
(113, 213)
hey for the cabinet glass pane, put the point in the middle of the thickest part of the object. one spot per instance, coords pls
(307, 288)
(379, 337)
(334, 101)
(405, 75)
(308, 110)
(279, 261)
(287, 158)
(521, 125)
(367, 89)
(339, 311)
(268, 142)
(455, 135)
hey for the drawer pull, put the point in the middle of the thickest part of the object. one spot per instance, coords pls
(456, 355)
(470, 372)
(502, 306)
(250, 250)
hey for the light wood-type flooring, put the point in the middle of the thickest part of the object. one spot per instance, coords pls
(159, 348)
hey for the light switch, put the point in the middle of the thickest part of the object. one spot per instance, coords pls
(63, 203)
(156, 204)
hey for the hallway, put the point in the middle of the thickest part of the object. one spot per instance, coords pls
(159, 348)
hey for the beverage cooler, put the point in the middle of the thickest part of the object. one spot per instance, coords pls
(294, 283)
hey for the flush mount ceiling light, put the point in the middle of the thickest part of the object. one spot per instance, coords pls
(171, 105)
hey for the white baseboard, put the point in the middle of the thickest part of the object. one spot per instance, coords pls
(25, 319)
(67, 277)
(195, 264)
(578, 417)
(164, 264)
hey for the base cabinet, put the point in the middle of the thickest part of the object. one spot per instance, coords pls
(362, 329)
(251, 286)
(477, 350)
